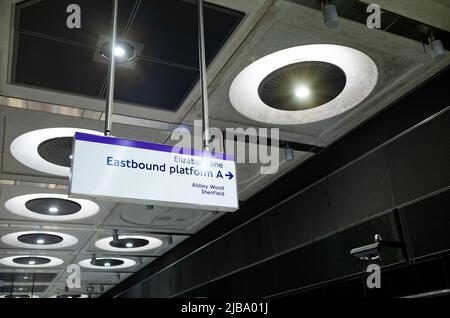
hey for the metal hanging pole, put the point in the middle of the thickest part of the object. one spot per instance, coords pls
(203, 78)
(112, 72)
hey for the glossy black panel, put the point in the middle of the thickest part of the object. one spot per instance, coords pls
(291, 223)
(49, 17)
(169, 30)
(419, 161)
(320, 212)
(419, 278)
(360, 190)
(252, 242)
(220, 256)
(154, 84)
(428, 224)
(297, 268)
(59, 66)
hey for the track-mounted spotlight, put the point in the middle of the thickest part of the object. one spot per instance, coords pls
(330, 15)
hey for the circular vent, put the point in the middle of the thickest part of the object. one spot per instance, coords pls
(107, 262)
(129, 243)
(53, 206)
(40, 239)
(302, 85)
(56, 150)
(29, 260)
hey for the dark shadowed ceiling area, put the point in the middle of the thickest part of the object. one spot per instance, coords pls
(164, 34)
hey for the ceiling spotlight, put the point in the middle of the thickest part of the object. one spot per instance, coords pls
(129, 245)
(302, 92)
(119, 51)
(32, 263)
(437, 48)
(123, 51)
(53, 209)
(40, 241)
(107, 264)
(288, 152)
(330, 15)
(102, 288)
(116, 237)
(25, 277)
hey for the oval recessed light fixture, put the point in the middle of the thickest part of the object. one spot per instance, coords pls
(129, 243)
(39, 239)
(71, 296)
(19, 296)
(303, 84)
(47, 150)
(31, 261)
(51, 207)
(107, 263)
(123, 51)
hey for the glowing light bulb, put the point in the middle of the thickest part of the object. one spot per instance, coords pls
(302, 92)
(53, 209)
(119, 51)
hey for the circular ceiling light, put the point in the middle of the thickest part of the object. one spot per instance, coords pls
(51, 207)
(71, 296)
(19, 296)
(303, 84)
(47, 150)
(129, 243)
(123, 51)
(40, 240)
(31, 261)
(107, 263)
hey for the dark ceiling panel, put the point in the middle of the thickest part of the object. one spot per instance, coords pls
(154, 84)
(168, 30)
(47, 54)
(58, 65)
(48, 17)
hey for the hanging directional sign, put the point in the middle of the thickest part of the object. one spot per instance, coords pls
(133, 171)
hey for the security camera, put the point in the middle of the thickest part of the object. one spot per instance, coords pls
(373, 251)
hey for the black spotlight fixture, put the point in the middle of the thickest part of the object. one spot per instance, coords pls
(288, 152)
(90, 288)
(102, 288)
(330, 15)
(373, 251)
(170, 240)
(115, 237)
(53, 206)
(127, 242)
(66, 288)
(40, 239)
(123, 51)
